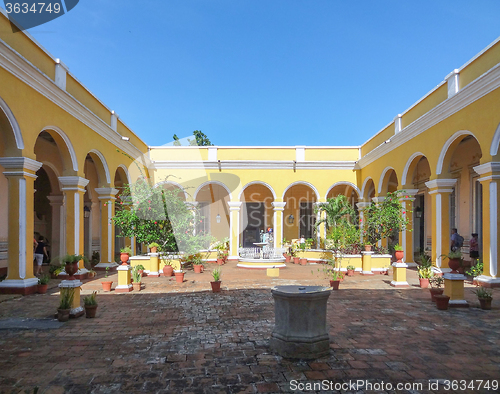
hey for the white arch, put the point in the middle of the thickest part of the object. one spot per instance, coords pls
(68, 143)
(302, 183)
(381, 180)
(104, 164)
(346, 184)
(208, 183)
(124, 168)
(446, 146)
(495, 142)
(174, 184)
(257, 183)
(364, 186)
(408, 164)
(13, 123)
(55, 171)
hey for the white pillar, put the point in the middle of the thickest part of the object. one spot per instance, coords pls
(234, 228)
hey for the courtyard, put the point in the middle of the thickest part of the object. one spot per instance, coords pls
(182, 338)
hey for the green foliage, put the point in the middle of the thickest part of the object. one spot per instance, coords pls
(398, 248)
(67, 296)
(136, 275)
(332, 268)
(309, 243)
(201, 139)
(476, 270)
(90, 299)
(140, 267)
(43, 280)
(344, 238)
(154, 245)
(384, 219)
(126, 250)
(216, 274)
(424, 272)
(350, 267)
(436, 282)
(483, 292)
(453, 255)
(73, 258)
(338, 210)
(107, 272)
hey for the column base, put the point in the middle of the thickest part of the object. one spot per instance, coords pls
(153, 274)
(123, 288)
(483, 280)
(458, 304)
(103, 266)
(399, 284)
(19, 286)
(367, 273)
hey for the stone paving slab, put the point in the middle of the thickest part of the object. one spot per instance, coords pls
(181, 338)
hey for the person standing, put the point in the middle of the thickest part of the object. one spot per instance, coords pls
(40, 251)
(474, 248)
(457, 240)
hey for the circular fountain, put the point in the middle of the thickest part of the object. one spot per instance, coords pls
(264, 255)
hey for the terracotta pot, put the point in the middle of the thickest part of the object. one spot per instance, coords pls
(63, 314)
(220, 261)
(90, 311)
(106, 285)
(442, 302)
(296, 260)
(90, 274)
(435, 292)
(136, 286)
(400, 254)
(216, 286)
(335, 284)
(153, 249)
(124, 258)
(71, 269)
(368, 248)
(424, 283)
(179, 277)
(287, 258)
(197, 268)
(168, 270)
(485, 303)
(454, 264)
(350, 272)
(42, 289)
(303, 261)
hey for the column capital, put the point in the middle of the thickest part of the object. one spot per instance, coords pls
(106, 193)
(493, 167)
(278, 206)
(441, 185)
(407, 193)
(362, 205)
(378, 200)
(234, 205)
(20, 166)
(55, 199)
(193, 204)
(75, 183)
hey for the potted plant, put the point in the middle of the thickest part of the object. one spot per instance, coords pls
(179, 276)
(368, 247)
(90, 303)
(399, 254)
(442, 301)
(55, 269)
(350, 270)
(153, 247)
(454, 260)
(43, 284)
(475, 271)
(168, 270)
(106, 284)
(91, 274)
(197, 263)
(424, 271)
(71, 264)
(125, 254)
(136, 279)
(66, 301)
(484, 296)
(436, 283)
(294, 254)
(140, 269)
(216, 282)
(332, 270)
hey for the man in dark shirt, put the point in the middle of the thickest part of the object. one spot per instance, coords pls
(40, 251)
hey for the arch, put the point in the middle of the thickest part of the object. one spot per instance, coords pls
(446, 148)
(124, 168)
(18, 137)
(384, 178)
(301, 183)
(363, 188)
(346, 184)
(257, 183)
(67, 142)
(53, 175)
(416, 155)
(208, 183)
(495, 142)
(104, 165)
(174, 184)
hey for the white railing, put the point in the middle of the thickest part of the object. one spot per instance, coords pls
(266, 252)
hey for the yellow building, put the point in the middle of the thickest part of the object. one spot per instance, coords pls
(64, 156)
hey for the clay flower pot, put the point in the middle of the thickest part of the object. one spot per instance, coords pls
(335, 284)
(442, 301)
(63, 314)
(399, 254)
(287, 258)
(90, 311)
(106, 285)
(303, 261)
(42, 289)
(136, 286)
(168, 270)
(485, 303)
(71, 269)
(454, 264)
(153, 249)
(434, 293)
(124, 258)
(179, 276)
(368, 248)
(216, 286)
(220, 261)
(296, 260)
(424, 283)
(350, 272)
(197, 268)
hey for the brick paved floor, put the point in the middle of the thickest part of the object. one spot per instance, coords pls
(181, 338)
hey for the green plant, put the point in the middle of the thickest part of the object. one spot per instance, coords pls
(136, 275)
(54, 268)
(90, 299)
(483, 292)
(436, 282)
(332, 268)
(424, 272)
(126, 249)
(350, 268)
(425, 260)
(67, 296)
(58, 270)
(216, 274)
(73, 258)
(154, 245)
(398, 248)
(344, 238)
(107, 272)
(476, 270)
(43, 280)
(140, 267)
(309, 243)
(96, 257)
(453, 255)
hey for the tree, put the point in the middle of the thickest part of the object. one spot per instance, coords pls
(201, 139)
(338, 210)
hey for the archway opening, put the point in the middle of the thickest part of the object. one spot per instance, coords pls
(256, 214)
(299, 218)
(213, 207)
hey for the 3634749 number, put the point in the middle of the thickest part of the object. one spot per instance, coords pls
(24, 8)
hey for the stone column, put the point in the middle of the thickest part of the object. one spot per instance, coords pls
(322, 227)
(366, 263)
(278, 208)
(383, 242)
(107, 197)
(58, 246)
(21, 174)
(406, 197)
(490, 180)
(234, 229)
(361, 207)
(440, 190)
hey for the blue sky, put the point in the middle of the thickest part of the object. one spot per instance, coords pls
(266, 72)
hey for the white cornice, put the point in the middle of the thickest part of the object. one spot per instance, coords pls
(255, 164)
(486, 168)
(73, 181)
(252, 147)
(20, 162)
(440, 183)
(21, 68)
(478, 88)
